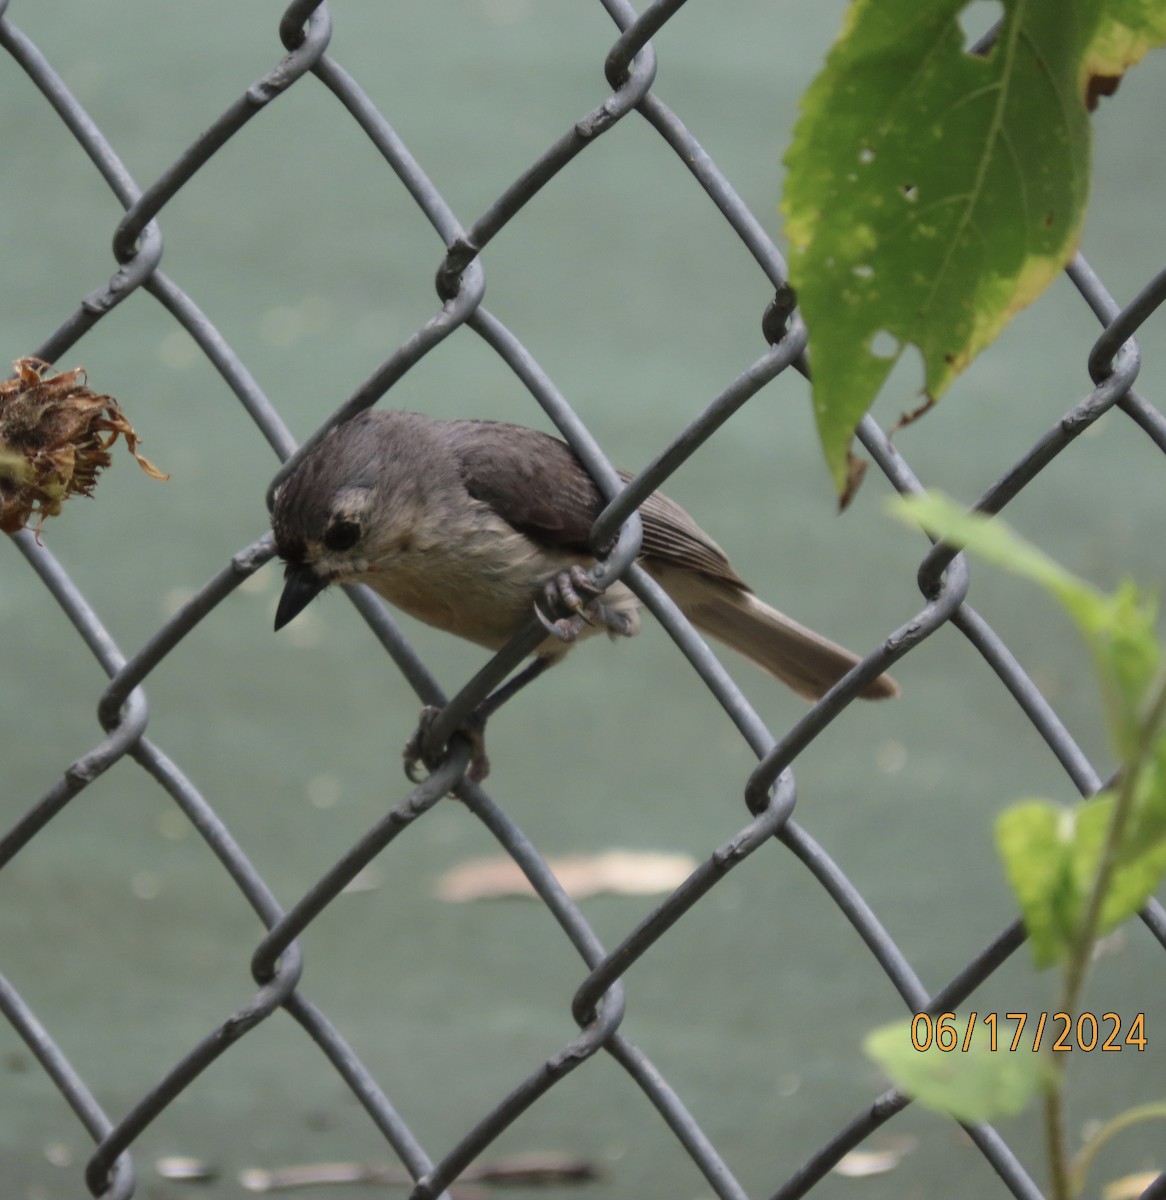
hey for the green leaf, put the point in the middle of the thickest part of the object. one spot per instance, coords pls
(1052, 854)
(931, 194)
(1149, 823)
(1126, 29)
(978, 1084)
(1034, 840)
(1141, 860)
(993, 540)
(1128, 657)
(1118, 629)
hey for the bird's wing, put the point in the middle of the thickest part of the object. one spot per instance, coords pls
(530, 479)
(535, 482)
(672, 538)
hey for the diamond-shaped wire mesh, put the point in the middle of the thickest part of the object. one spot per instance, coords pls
(599, 1006)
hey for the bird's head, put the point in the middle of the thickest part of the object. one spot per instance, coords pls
(340, 515)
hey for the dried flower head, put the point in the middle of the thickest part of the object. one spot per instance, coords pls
(55, 436)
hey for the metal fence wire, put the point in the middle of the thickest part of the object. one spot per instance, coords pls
(599, 1005)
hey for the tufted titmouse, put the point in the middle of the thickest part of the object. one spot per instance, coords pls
(467, 524)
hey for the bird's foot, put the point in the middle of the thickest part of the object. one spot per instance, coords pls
(569, 592)
(572, 590)
(415, 752)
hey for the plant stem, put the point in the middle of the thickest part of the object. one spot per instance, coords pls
(1154, 1111)
(1065, 1183)
(1054, 1114)
(1123, 810)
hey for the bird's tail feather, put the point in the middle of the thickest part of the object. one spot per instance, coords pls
(802, 659)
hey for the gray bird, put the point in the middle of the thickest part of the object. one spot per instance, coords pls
(468, 524)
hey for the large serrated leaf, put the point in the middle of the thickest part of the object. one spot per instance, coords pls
(932, 193)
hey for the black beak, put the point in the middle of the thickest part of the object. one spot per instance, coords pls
(301, 586)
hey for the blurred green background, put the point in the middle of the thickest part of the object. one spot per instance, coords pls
(116, 923)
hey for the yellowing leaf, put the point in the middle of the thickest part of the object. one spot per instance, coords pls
(932, 193)
(1126, 29)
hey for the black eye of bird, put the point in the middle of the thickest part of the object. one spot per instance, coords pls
(342, 536)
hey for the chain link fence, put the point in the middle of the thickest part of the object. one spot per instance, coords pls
(598, 1009)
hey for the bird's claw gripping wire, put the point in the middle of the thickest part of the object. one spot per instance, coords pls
(574, 591)
(415, 752)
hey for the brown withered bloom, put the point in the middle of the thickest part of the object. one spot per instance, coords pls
(55, 436)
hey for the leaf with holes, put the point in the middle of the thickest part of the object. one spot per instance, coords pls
(932, 193)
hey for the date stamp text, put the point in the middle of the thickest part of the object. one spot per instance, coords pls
(1058, 1031)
